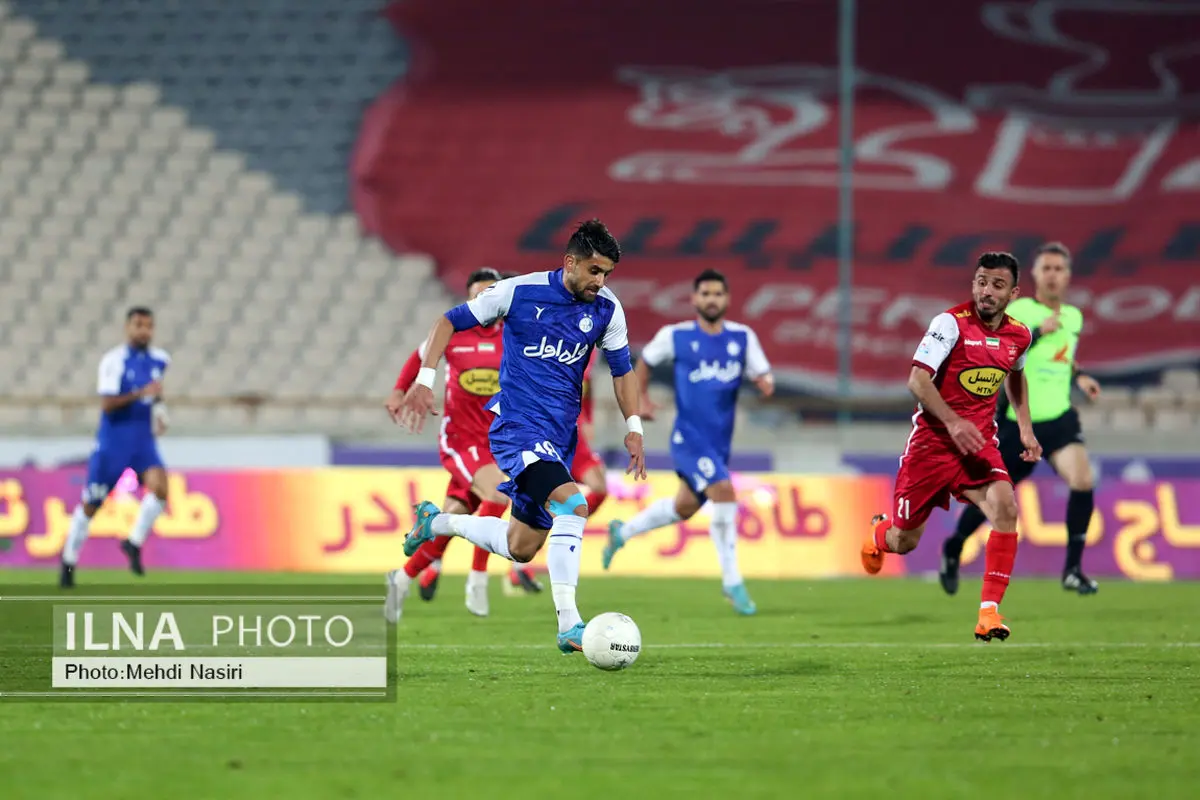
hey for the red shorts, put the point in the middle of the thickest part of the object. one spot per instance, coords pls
(462, 460)
(932, 470)
(585, 458)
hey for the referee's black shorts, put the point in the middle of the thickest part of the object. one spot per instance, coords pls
(1053, 435)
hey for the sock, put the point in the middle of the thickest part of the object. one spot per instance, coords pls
(655, 515)
(490, 533)
(151, 508)
(594, 500)
(723, 532)
(426, 555)
(880, 535)
(479, 562)
(76, 538)
(489, 509)
(562, 558)
(999, 558)
(1079, 514)
(968, 522)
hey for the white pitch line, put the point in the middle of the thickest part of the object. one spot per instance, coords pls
(825, 645)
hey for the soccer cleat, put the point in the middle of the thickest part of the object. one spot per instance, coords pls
(422, 529)
(740, 598)
(615, 543)
(428, 583)
(571, 641)
(991, 625)
(1076, 581)
(524, 578)
(948, 574)
(477, 593)
(134, 554)
(397, 590)
(872, 556)
(66, 577)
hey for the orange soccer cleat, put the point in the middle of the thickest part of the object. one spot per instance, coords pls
(991, 625)
(872, 556)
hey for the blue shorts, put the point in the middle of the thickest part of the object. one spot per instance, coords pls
(110, 460)
(698, 464)
(515, 449)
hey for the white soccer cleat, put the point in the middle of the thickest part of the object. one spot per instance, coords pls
(393, 607)
(477, 593)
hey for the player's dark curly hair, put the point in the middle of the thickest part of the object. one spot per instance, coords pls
(592, 238)
(709, 275)
(138, 311)
(482, 274)
(1001, 261)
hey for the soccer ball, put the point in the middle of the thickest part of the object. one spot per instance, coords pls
(611, 641)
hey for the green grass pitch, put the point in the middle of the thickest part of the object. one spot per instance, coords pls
(855, 688)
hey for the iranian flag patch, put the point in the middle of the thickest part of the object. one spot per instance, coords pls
(993, 343)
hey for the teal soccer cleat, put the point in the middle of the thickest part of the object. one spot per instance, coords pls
(615, 543)
(571, 641)
(740, 598)
(422, 529)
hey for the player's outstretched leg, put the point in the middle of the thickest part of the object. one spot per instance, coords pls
(78, 534)
(875, 546)
(999, 503)
(656, 515)
(477, 584)
(968, 522)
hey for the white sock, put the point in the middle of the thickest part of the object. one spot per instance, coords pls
(76, 538)
(562, 559)
(435, 565)
(723, 531)
(151, 508)
(476, 576)
(655, 515)
(988, 604)
(490, 533)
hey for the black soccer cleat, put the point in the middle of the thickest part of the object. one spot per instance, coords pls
(427, 585)
(1076, 581)
(66, 577)
(524, 578)
(948, 574)
(134, 554)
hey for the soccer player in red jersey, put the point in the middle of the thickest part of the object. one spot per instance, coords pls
(968, 352)
(472, 375)
(588, 468)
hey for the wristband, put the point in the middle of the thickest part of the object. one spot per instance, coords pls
(635, 424)
(425, 377)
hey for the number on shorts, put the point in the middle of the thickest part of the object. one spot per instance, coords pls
(474, 451)
(706, 466)
(903, 511)
(545, 449)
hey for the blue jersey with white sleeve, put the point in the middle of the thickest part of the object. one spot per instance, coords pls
(125, 437)
(709, 368)
(549, 336)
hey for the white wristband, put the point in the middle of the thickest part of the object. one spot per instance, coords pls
(635, 424)
(425, 376)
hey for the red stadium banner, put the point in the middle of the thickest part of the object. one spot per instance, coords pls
(706, 135)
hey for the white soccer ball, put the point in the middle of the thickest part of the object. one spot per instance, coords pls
(611, 641)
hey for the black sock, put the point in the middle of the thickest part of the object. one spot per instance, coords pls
(1079, 515)
(968, 523)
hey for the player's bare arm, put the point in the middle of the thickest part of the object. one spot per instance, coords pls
(419, 401)
(647, 407)
(1088, 385)
(115, 402)
(1018, 396)
(966, 436)
(629, 396)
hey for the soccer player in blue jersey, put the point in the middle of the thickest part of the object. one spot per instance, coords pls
(132, 415)
(711, 357)
(552, 322)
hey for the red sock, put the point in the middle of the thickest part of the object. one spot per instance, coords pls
(881, 529)
(479, 562)
(426, 554)
(998, 560)
(490, 509)
(594, 499)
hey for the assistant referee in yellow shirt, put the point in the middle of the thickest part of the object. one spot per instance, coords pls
(1051, 370)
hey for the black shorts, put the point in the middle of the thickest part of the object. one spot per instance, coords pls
(1053, 435)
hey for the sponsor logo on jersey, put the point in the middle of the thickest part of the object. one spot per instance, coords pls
(481, 381)
(556, 352)
(973, 342)
(728, 372)
(982, 381)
